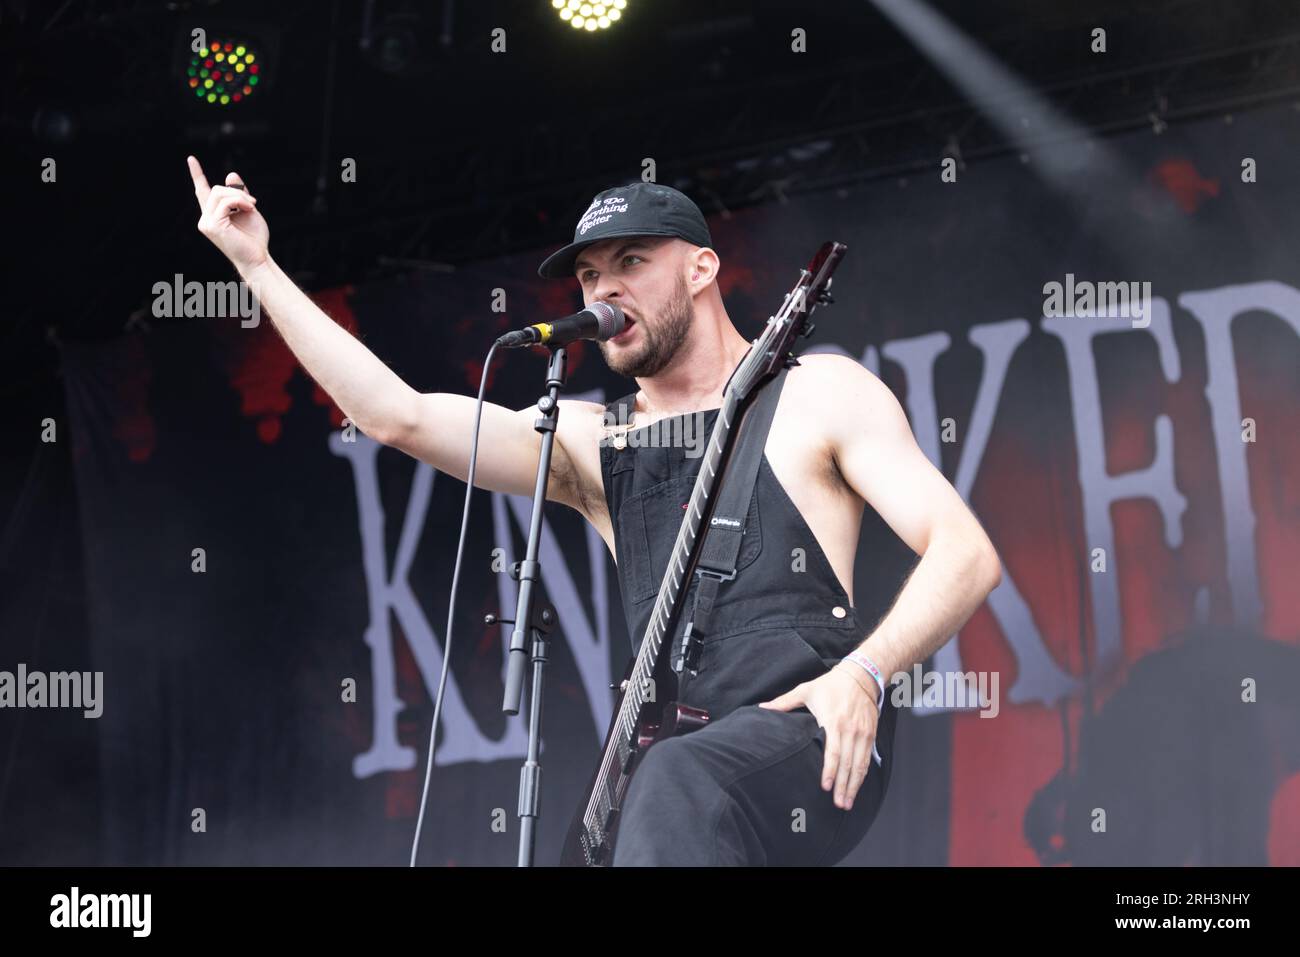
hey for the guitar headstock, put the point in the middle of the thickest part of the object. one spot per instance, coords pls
(771, 351)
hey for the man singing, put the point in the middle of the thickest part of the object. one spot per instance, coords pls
(795, 761)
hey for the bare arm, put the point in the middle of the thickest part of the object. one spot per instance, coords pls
(874, 450)
(440, 431)
(434, 427)
(878, 456)
(369, 393)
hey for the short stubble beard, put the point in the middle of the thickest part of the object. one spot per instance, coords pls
(660, 339)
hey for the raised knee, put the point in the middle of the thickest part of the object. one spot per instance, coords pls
(671, 760)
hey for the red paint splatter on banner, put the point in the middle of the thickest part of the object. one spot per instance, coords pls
(734, 273)
(734, 278)
(473, 369)
(1179, 178)
(555, 297)
(259, 367)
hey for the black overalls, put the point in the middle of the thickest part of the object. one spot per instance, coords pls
(746, 788)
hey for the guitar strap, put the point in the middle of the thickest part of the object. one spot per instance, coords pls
(726, 529)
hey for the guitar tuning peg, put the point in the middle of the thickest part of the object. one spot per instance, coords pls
(808, 329)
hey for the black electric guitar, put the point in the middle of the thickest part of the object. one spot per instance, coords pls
(645, 712)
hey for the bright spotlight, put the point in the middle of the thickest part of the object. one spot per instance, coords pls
(590, 15)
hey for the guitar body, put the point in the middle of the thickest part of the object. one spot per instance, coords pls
(656, 721)
(641, 718)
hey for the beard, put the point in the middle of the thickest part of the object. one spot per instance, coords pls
(660, 338)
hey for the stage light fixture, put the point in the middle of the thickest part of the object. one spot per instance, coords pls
(590, 15)
(224, 72)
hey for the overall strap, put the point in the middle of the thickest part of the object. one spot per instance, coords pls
(722, 539)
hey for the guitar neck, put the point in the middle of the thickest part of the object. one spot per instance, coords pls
(681, 564)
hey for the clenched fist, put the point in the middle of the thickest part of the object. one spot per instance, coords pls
(230, 218)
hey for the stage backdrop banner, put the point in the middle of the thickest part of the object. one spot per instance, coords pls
(269, 589)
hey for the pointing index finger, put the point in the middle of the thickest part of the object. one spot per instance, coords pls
(201, 187)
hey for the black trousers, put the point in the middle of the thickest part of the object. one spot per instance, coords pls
(746, 790)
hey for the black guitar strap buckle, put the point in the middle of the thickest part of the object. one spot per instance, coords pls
(688, 657)
(706, 592)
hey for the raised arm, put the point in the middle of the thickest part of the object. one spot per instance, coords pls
(434, 427)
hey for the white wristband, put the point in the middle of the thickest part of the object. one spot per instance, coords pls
(869, 666)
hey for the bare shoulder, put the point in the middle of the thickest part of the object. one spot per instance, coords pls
(849, 399)
(831, 369)
(838, 386)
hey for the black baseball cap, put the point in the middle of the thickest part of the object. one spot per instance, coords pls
(635, 209)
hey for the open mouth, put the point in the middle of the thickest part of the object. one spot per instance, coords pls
(627, 328)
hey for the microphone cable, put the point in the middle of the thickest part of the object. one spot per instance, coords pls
(451, 610)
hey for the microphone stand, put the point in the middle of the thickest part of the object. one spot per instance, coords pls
(538, 622)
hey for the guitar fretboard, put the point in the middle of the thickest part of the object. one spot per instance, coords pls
(662, 619)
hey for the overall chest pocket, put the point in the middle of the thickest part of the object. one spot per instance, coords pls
(648, 523)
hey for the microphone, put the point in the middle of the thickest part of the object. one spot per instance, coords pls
(599, 321)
